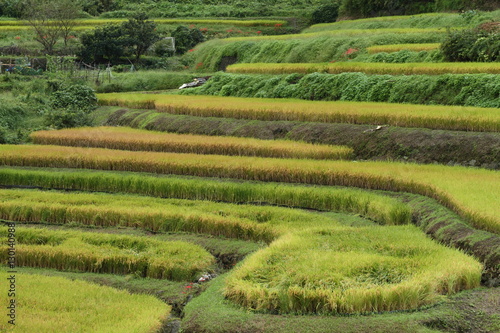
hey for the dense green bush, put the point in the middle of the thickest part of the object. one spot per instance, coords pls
(369, 8)
(325, 14)
(111, 42)
(71, 106)
(403, 56)
(186, 38)
(472, 45)
(467, 89)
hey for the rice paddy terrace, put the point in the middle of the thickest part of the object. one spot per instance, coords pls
(237, 212)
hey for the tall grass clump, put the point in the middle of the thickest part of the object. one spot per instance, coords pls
(380, 208)
(79, 306)
(480, 90)
(107, 253)
(473, 197)
(144, 81)
(143, 140)
(435, 117)
(351, 270)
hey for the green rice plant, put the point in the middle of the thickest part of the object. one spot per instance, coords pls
(351, 270)
(55, 304)
(474, 196)
(107, 253)
(368, 68)
(380, 208)
(143, 140)
(404, 115)
(399, 47)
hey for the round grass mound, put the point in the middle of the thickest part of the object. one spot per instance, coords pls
(351, 270)
(54, 304)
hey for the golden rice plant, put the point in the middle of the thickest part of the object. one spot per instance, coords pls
(143, 140)
(351, 270)
(399, 47)
(474, 196)
(369, 68)
(107, 253)
(47, 304)
(404, 115)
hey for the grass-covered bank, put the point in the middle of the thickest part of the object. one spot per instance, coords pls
(481, 90)
(390, 143)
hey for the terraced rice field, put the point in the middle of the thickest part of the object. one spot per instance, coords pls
(329, 238)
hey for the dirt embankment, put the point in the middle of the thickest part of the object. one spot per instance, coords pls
(476, 149)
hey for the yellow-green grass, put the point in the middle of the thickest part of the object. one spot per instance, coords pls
(351, 270)
(399, 47)
(345, 32)
(380, 208)
(473, 193)
(136, 139)
(107, 253)
(368, 68)
(54, 304)
(97, 22)
(404, 115)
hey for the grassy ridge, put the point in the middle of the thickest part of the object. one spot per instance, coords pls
(312, 48)
(90, 252)
(368, 68)
(142, 140)
(102, 310)
(398, 47)
(474, 197)
(351, 270)
(449, 89)
(435, 117)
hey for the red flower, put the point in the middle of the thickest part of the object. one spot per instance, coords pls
(230, 30)
(350, 51)
(278, 25)
(191, 26)
(192, 50)
(259, 32)
(17, 37)
(199, 65)
(189, 287)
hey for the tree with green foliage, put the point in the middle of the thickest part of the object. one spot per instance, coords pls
(111, 42)
(141, 34)
(186, 38)
(104, 44)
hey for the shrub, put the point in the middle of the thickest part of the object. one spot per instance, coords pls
(71, 107)
(325, 14)
(472, 45)
(186, 38)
